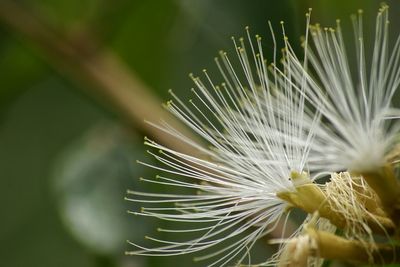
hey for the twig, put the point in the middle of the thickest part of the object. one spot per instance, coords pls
(83, 61)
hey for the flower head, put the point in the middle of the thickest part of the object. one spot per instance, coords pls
(266, 129)
(355, 102)
(257, 137)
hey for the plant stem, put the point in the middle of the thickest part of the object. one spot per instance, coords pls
(83, 61)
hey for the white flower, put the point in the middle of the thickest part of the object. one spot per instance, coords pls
(258, 135)
(260, 129)
(355, 102)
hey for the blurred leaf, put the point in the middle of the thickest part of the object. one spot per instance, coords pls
(91, 179)
(41, 121)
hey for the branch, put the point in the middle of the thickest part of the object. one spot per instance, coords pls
(83, 61)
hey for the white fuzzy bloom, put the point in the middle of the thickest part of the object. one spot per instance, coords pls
(254, 123)
(258, 128)
(355, 102)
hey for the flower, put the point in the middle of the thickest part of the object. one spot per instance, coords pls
(257, 135)
(355, 102)
(361, 125)
(269, 132)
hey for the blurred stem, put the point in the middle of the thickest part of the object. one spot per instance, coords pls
(83, 61)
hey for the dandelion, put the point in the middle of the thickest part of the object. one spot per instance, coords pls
(270, 132)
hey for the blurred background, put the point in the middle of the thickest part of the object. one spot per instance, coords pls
(78, 78)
